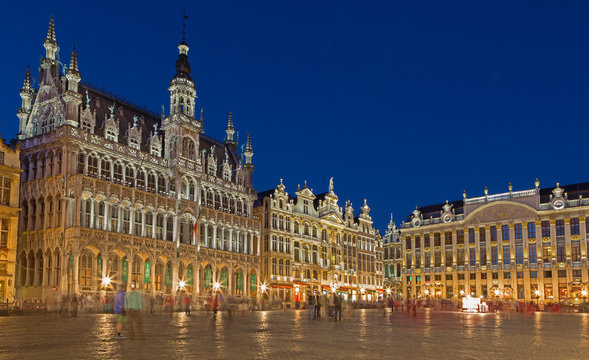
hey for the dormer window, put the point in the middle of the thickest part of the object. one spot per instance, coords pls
(133, 143)
(110, 135)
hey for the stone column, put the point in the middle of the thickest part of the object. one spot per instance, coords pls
(165, 230)
(206, 230)
(129, 272)
(76, 275)
(106, 216)
(230, 239)
(258, 243)
(92, 205)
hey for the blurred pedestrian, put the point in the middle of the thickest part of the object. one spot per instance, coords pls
(133, 307)
(74, 304)
(311, 304)
(120, 310)
(187, 304)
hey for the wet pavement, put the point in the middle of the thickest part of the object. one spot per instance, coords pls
(288, 335)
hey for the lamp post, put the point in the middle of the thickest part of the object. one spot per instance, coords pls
(584, 295)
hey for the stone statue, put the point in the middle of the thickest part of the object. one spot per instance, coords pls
(331, 184)
(112, 109)
(87, 99)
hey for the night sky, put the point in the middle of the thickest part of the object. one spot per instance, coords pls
(404, 105)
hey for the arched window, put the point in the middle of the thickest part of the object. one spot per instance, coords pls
(159, 226)
(161, 184)
(118, 173)
(141, 179)
(129, 176)
(92, 165)
(151, 182)
(188, 148)
(85, 270)
(105, 169)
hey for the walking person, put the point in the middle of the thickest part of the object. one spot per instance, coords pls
(337, 301)
(187, 304)
(120, 310)
(133, 307)
(311, 301)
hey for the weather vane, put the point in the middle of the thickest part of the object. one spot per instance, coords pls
(184, 18)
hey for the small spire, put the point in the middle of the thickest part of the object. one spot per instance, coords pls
(464, 194)
(74, 60)
(248, 146)
(510, 187)
(230, 121)
(202, 114)
(27, 83)
(51, 31)
(537, 183)
(280, 181)
(486, 190)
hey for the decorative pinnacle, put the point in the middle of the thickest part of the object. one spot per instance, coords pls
(27, 83)
(51, 31)
(230, 121)
(537, 183)
(510, 187)
(486, 190)
(74, 60)
(202, 114)
(464, 194)
(248, 146)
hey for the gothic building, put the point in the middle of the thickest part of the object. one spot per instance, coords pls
(9, 181)
(111, 190)
(392, 260)
(311, 245)
(529, 245)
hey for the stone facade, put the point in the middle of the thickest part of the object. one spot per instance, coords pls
(393, 274)
(9, 182)
(527, 245)
(311, 245)
(111, 190)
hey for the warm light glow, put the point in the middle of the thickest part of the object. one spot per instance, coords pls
(181, 284)
(388, 291)
(471, 304)
(537, 292)
(263, 287)
(105, 281)
(216, 286)
(362, 290)
(462, 292)
(496, 292)
(584, 293)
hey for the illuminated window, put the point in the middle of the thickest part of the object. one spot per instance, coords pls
(531, 230)
(518, 232)
(560, 227)
(575, 226)
(505, 232)
(5, 187)
(532, 254)
(545, 229)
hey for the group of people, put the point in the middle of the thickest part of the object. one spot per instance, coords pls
(128, 306)
(324, 306)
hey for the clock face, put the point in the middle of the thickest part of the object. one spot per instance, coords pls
(558, 204)
(447, 218)
(416, 222)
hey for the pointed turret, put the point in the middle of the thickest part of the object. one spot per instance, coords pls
(182, 89)
(248, 153)
(26, 94)
(230, 130)
(72, 97)
(50, 43)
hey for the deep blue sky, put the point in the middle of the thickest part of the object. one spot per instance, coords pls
(403, 104)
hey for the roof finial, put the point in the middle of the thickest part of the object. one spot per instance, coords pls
(537, 183)
(184, 18)
(51, 31)
(510, 187)
(464, 194)
(202, 114)
(74, 60)
(27, 83)
(486, 190)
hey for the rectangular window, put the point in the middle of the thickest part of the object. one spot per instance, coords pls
(426, 240)
(448, 238)
(505, 232)
(531, 230)
(4, 234)
(5, 191)
(484, 276)
(546, 254)
(560, 227)
(575, 251)
(448, 277)
(471, 236)
(506, 254)
(507, 275)
(495, 276)
(560, 252)
(533, 274)
(532, 254)
(575, 226)
(417, 242)
(482, 234)
(493, 233)
(483, 255)
(520, 274)
(576, 273)
(461, 276)
(494, 255)
(519, 254)
(548, 274)
(460, 257)
(545, 228)
(472, 257)
(449, 259)
(408, 242)
(562, 273)
(518, 232)
(460, 236)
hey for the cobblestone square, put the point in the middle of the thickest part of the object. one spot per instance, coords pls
(288, 335)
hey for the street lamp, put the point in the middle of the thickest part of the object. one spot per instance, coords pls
(181, 285)
(216, 286)
(106, 281)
